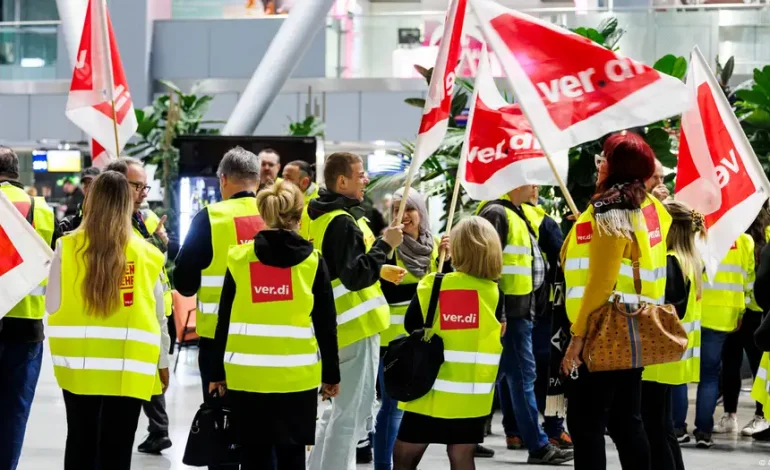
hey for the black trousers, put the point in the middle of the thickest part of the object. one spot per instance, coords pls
(155, 409)
(659, 426)
(611, 401)
(732, 359)
(260, 456)
(100, 431)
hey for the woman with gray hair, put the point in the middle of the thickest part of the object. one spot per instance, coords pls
(418, 255)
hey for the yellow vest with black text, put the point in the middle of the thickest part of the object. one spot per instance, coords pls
(725, 299)
(362, 313)
(151, 222)
(304, 223)
(465, 320)
(233, 222)
(398, 310)
(687, 369)
(652, 245)
(32, 307)
(116, 355)
(271, 347)
(760, 391)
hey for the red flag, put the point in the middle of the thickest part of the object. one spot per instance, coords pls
(718, 173)
(435, 117)
(501, 152)
(97, 81)
(572, 89)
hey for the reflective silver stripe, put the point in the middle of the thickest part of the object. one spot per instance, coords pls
(517, 250)
(339, 291)
(523, 270)
(401, 304)
(649, 275)
(576, 264)
(272, 331)
(100, 363)
(103, 332)
(38, 290)
(465, 357)
(691, 326)
(271, 360)
(397, 319)
(731, 268)
(464, 388)
(762, 373)
(575, 292)
(690, 353)
(212, 281)
(728, 286)
(635, 299)
(361, 309)
(209, 308)
(750, 285)
(747, 300)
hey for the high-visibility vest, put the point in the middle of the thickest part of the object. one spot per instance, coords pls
(760, 391)
(652, 261)
(687, 369)
(116, 355)
(32, 307)
(271, 346)
(465, 320)
(516, 278)
(535, 215)
(725, 299)
(398, 309)
(362, 313)
(304, 223)
(151, 222)
(233, 222)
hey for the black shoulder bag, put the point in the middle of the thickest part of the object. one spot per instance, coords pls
(411, 364)
(213, 436)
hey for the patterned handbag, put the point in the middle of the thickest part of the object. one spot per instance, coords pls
(619, 337)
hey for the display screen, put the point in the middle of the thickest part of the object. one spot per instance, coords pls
(57, 161)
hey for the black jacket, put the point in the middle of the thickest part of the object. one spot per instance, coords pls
(283, 249)
(677, 286)
(762, 296)
(343, 245)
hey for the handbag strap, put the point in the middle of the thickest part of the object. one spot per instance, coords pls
(433, 300)
(635, 255)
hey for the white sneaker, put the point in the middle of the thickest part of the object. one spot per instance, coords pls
(727, 424)
(757, 424)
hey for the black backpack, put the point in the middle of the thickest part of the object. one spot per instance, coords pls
(411, 364)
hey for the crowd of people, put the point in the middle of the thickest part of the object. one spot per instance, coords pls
(298, 296)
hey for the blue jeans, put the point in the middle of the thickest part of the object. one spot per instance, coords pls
(386, 427)
(19, 371)
(712, 342)
(519, 370)
(680, 402)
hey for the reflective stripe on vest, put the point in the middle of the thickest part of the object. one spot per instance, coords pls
(726, 296)
(362, 313)
(106, 364)
(233, 222)
(467, 325)
(271, 346)
(760, 391)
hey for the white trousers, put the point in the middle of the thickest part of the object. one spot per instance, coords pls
(350, 416)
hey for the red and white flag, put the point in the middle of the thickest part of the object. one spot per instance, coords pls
(435, 115)
(500, 152)
(24, 256)
(97, 81)
(572, 89)
(718, 173)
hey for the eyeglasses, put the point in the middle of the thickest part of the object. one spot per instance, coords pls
(140, 187)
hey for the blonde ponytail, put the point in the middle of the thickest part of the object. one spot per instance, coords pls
(686, 224)
(281, 205)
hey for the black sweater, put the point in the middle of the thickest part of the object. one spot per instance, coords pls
(762, 296)
(677, 286)
(281, 248)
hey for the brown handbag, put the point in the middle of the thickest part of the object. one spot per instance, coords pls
(618, 340)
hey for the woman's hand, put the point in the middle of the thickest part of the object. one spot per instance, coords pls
(572, 356)
(220, 387)
(163, 373)
(392, 273)
(444, 246)
(330, 391)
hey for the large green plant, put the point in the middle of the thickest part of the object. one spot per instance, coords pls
(753, 109)
(310, 126)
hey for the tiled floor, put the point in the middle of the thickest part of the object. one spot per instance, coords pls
(44, 446)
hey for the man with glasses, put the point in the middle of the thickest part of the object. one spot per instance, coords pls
(269, 166)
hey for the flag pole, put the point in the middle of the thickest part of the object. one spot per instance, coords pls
(451, 215)
(107, 46)
(115, 128)
(559, 180)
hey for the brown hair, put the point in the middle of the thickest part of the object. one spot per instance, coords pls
(339, 164)
(107, 225)
(281, 205)
(686, 224)
(476, 249)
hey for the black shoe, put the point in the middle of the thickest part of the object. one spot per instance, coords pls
(762, 436)
(484, 452)
(550, 455)
(364, 451)
(155, 443)
(703, 440)
(681, 435)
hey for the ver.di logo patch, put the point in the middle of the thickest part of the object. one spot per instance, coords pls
(269, 283)
(459, 309)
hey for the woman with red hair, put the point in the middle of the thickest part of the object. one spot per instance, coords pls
(597, 266)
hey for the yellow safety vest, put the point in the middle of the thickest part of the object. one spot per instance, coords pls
(151, 222)
(304, 223)
(760, 391)
(652, 245)
(117, 355)
(233, 222)
(32, 307)
(362, 313)
(535, 216)
(465, 320)
(516, 278)
(398, 309)
(725, 299)
(687, 369)
(271, 347)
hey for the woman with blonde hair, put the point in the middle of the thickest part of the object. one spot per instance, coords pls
(276, 312)
(468, 319)
(684, 283)
(107, 329)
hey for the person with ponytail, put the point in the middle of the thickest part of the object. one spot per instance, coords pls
(275, 314)
(684, 286)
(107, 328)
